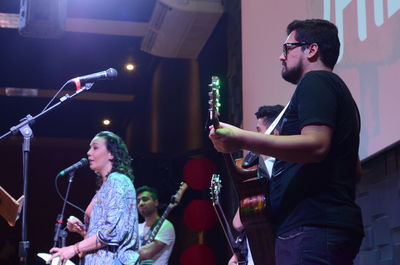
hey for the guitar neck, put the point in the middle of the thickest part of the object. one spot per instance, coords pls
(233, 245)
(238, 174)
(153, 232)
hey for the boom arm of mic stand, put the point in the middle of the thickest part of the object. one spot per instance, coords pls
(29, 120)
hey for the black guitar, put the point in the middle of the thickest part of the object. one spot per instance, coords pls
(234, 245)
(252, 192)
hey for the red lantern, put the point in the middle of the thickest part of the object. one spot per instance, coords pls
(200, 215)
(198, 255)
(197, 173)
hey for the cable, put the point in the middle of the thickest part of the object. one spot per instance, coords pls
(62, 197)
(58, 92)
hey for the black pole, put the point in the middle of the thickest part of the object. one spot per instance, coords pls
(58, 233)
(26, 132)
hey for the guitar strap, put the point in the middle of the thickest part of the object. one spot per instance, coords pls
(155, 223)
(147, 235)
(276, 121)
(263, 171)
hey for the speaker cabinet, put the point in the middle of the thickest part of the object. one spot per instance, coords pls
(42, 18)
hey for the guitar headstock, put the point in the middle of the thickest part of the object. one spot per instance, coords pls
(178, 195)
(213, 102)
(215, 188)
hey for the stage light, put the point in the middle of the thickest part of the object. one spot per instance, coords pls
(130, 67)
(106, 122)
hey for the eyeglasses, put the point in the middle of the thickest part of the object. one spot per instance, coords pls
(292, 45)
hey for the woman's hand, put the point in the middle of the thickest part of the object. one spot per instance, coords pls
(75, 225)
(64, 254)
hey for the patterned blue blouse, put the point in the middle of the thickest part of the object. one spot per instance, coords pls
(114, 220)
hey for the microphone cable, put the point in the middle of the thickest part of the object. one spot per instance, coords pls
(63, 198)
(58, 92)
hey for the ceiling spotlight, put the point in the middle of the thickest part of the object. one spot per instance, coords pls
(106, 122)
(130, 67)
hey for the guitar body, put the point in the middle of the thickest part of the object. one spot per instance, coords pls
(253, 196)
(254, 211)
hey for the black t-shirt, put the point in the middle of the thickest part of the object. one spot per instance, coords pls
(323, 193)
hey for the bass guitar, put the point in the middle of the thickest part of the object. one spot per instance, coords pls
(252, 192)
(152, 233)
(234, 245)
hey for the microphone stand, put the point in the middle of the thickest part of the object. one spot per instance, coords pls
(26, 131)
(58, 233)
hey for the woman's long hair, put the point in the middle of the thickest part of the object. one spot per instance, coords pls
(116, 146)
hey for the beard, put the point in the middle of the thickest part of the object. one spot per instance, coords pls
(292, 75)
(146, 212)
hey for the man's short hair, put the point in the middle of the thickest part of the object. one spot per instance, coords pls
(319, 31)
(153, 192)
(268, 113)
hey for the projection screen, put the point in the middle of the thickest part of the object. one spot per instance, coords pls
(369, 61)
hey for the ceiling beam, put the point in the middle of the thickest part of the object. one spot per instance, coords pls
(44, 93)
(86, 25)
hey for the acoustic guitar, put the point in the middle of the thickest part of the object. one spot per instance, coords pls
(252, 192)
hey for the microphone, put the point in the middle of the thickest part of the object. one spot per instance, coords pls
(108, 74)
(83, 162)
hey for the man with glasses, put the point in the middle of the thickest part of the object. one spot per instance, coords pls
(312, 188)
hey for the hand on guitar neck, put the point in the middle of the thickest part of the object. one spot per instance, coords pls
(251, 189)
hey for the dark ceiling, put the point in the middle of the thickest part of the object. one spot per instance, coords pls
(128, 10)
(46, 64)
(124, 10)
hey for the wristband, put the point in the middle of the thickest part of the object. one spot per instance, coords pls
(76, 249)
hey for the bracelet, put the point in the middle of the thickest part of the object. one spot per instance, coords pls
(76, 249)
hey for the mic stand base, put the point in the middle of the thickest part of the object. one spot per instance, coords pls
(23, 251)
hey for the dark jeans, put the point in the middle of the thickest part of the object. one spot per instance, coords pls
(309, 245)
